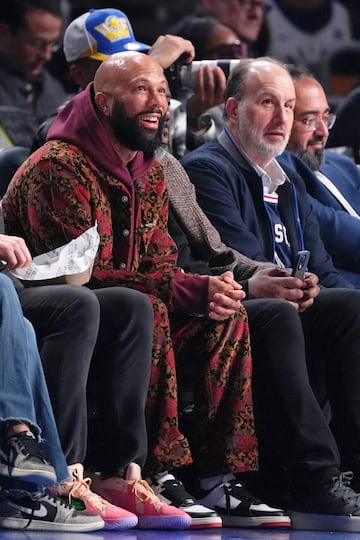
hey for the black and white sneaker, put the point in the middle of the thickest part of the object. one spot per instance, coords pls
(45, 513)
(237, 507)
(21, 458)
(171, 491)
(332, 507)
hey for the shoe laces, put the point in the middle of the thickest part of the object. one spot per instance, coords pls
(52, 499)
(143, 492)
(80, 489)
(341, 487)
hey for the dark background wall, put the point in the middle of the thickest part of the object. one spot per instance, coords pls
(149, 18)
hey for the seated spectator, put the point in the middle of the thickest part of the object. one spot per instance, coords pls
(105, 156)
(30, 31)
(306, 33)
(204, 102)
(262, 210)
(331, 179)
(30, 454)
(245, 17)
(346, 130)
(72, 321)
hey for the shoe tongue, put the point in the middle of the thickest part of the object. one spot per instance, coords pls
(212, 481)
(165, 477)
(23, 434)
(229, 477)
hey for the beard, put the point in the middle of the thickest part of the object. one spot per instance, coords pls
(129, 133)
(250, 137)
(314, 160)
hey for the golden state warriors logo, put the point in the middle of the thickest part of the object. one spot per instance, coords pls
(114, 28)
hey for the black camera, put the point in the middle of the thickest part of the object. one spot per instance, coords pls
(180, 75)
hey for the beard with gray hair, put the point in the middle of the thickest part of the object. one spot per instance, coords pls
(314, 160)
(250, 136)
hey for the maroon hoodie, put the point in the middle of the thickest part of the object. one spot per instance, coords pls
(78, 124)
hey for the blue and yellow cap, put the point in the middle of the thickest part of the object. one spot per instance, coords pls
(99, 33)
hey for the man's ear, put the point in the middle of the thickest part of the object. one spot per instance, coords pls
(231, 108)
(102, 103)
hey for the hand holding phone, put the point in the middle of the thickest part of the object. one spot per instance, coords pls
(301, 262)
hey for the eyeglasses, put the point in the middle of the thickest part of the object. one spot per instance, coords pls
(247, 4)
(235, 50)
(312, 121)
(42, 44)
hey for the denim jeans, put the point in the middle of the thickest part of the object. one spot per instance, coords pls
(24, 395)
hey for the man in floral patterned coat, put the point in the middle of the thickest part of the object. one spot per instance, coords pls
(99, 166)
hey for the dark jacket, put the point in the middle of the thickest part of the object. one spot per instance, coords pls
(339, 230)
(20, 119)
(230, 192)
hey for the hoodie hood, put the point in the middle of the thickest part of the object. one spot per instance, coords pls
(78, 124)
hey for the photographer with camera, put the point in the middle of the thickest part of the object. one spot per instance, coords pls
(201, 84)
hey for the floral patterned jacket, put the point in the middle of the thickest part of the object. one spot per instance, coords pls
(63, 189)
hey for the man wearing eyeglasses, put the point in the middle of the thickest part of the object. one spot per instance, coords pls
(245, 17)
(332, 180)
(29, 33)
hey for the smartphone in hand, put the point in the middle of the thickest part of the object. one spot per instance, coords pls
(301, 262)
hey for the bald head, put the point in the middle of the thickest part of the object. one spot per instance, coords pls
(122, 67)
(131, 97)
(254, 68)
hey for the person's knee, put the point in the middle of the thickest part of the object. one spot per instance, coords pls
(344, 302)
(84, 300)
(7, 289)
(79, 307)
(124, 304)
(271, 312)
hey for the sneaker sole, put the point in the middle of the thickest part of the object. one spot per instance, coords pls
(36, 525)
(164, 522)
(323, 522)
(39, 477)
(256, 522)
(205, 523)
(123, 523)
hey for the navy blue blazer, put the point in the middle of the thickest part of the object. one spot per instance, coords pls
(339, 230)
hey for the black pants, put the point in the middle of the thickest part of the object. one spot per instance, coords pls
(112, 329)
(300, 362)
(332, 336)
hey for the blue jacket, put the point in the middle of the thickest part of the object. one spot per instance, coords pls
(339, 230)
(230, 192)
